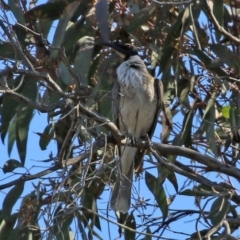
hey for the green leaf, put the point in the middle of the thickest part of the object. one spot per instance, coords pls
(183, 89)
(73, 33)
(155, 56)
(102, 18)
(82, 61)
(9, 108)
(187, 192)
(7, 225)
(186, 137)
(7, 51)
(46, 137)
(64, 74)
(199, 191)
(95, 218)
(43, 26)
(62, 224)
(208, 119)
(219, 210)
(10, 165)
(208, 62)
(234, 119)
(227, 56)
(157, 190)
(141, 17)
(131, 223)
(218, 13)
(88, 201)
(11, 198)
(149, 232)
(80, 226)
(62, 25)
(173, 180)
(174, 32)
(12, 134)
(226, 111)
(104, 87)
(50, 10)
(210, 131)
(24, 117)
(17, 11)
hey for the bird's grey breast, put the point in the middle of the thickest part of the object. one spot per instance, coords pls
(134, 78)
(137, 103)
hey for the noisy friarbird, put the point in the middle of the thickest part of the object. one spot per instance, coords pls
(136, 103)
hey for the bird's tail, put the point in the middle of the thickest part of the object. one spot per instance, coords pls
(121, 194)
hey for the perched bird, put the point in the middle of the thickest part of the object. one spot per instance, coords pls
(136, 103)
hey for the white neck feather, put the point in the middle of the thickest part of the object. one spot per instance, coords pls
(132, 73)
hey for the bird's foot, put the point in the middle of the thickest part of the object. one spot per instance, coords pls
(131, 139)
(147, 140)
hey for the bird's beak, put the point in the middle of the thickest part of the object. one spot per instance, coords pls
(119, 48)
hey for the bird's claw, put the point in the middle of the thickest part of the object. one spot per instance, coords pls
(132, 139)
(147, 140)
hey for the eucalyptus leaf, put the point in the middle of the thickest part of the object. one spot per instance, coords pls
(10, 165)
(11, 198)
(219, 210)
(62, 25)
(82, 61)
(158, 192)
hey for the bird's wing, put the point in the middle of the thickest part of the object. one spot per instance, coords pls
(115, 103)
(115, 108)
(158, 87)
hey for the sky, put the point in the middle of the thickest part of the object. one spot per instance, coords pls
(34, 161)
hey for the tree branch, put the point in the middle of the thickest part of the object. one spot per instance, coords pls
(216, 23)
(62, 104)
(164, 149)
(196, 156)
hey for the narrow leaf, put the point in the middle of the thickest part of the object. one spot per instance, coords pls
(50, 10)
(61, 224)
(219, 210)
(10, 165)
(9, 108)
(131, 223)
(82, 61)
(157, 190)
(218, 13)
(12, 134)
(227, 56)
(62, 25)
(46, 137)
(147, 236)
(7, 51)
(64, 74)
(24, 117)
(17, 11)
(141, 17)
(11, 198)
(102, 18)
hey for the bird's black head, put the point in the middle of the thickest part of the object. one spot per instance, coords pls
(124, 50)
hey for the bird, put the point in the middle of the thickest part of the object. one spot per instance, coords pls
(137, 99)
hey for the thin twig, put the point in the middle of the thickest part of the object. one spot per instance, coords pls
(119, 224)
(16, 44)
(173, 3)
(216, 23)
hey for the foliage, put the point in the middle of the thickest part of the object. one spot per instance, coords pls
(52, 62)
